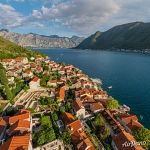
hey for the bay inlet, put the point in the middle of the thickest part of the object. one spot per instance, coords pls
(128, 75)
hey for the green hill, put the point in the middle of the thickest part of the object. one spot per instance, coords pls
(11, 50)
(90, 41)
(131, 36)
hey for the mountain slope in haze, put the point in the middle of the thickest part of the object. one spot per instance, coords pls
(131, 36)
(90, 41)
(11, 50)
(41, 41)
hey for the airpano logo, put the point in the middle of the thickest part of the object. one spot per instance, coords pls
(134, 143)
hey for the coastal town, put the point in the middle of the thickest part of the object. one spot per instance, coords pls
(55, 106)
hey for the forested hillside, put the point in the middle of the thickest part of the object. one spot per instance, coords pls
(11, 50)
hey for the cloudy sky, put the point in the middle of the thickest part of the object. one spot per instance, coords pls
(70, 17)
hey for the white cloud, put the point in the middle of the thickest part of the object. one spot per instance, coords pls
(84, 16)
(10, 18)
(15, 0)
(130, 11)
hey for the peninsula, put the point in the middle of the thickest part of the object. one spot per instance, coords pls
(49, 105)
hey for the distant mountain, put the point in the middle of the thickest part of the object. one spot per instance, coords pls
(41, 41)
(10, 50)
(132, 36)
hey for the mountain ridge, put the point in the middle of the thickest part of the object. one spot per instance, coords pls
(41, 41)
(132, 36)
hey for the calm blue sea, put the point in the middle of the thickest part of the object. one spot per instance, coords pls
(127, 73)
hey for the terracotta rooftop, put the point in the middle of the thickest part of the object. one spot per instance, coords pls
(123, 137)
(77, 105)
(22, 115)
(97, 106)
(134, 125)
(35, 79)
(131, 121)
(7, 60)
(16, 143)
(75, 126)
(62, 93)
(86, 144)
(127, 118)
(20, 58)
(67, 118)
(3, 124)
(78, 136)
(20, 125)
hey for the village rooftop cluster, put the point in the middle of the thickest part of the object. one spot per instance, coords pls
(59, 107)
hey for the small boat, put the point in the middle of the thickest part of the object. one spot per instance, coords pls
(141, 117)
(110, 87)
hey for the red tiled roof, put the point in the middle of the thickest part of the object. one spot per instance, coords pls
(16, 143)
(23, 114)
(123, 137)
(97, 106)
(19, 59)
(75, 126)
(85, 144)
(52, 81)
(62, 93)
(35, 79)
(77, 105)
(20, 125)
(3, 124)
(33, 65)
(131, 121)
(7, 60)
(127, 118)
(67, 118)
(134, 125)
(78, 136)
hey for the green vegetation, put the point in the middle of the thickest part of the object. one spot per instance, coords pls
(143, 135)
(55, 75)
(99, 120)
(54, 116)
(49, 103)
(46, 133)
(65, 136)
(90, 41)
(112, 103)
(93, 139)
(11, 50)
(134, 35)
(19, 86)
(44, 80)
(102, 130)
(4, 82)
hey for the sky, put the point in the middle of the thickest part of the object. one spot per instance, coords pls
(70, 17)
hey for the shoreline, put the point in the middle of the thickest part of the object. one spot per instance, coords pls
(147, 53)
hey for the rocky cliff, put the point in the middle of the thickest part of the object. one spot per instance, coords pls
(41, 41)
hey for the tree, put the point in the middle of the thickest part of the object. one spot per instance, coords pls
(66, 138)
(106, 133)
(43, 82)
(45, 122)
(62, 109)
(112, 103)
(143, 134)
(4, 81)
(46, 133)
(54, 116)
(99, 120)
(41, 138)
